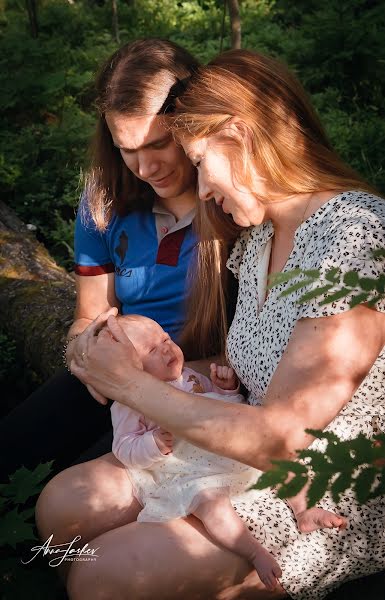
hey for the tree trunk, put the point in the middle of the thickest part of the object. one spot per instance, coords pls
(32, 15)
(37, 297)
(235, 21)
(115, 21)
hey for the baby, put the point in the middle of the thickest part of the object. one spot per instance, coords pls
(172, 478)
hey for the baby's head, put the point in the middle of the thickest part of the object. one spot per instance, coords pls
(160, 356)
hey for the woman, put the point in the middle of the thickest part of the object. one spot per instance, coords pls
(134, 243)
(266, 162)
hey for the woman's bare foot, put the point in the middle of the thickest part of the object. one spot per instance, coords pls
(267, 568)
(318, 518)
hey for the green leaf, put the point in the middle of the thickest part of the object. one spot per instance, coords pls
(278, 278)
(340, 484)
(342, 293)
(29, 513)
(364, 449)
(379, 253)
(318, 488)
(269, 479)
(340, 455)
(368, 283)
(14, 529)
(333, 274)
(364, 482)
(19, 582)
(373, 301)
(380, 285)
(319, 291)
(25, 483)
(327, 435)
(3, 503)
(359, 299)
(351, 278)
(379, 489)
(319, 462)
(312, 273)
(296, 286)
(290, 466)
(288, 490)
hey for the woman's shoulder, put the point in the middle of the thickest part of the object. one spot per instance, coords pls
(352, 216)
(341, 238)
(343, 233)
(348, 208)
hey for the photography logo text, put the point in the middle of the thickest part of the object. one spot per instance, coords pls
(63, 552)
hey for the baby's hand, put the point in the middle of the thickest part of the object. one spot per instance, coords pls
(163, 439)
(223, 377)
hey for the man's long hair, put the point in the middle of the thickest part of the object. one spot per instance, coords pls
(134, 81)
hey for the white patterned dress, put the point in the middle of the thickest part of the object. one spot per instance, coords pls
(341, 233)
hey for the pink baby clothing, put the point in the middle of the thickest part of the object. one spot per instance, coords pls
(168, 486)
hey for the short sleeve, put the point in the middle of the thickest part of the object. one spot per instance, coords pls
(92, 256)
(348, 247)
(236, 254)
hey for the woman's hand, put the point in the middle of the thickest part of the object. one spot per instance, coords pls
(78, 346)
(106, 360)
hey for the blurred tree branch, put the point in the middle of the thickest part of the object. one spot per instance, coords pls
(32, 15)
(235, 21)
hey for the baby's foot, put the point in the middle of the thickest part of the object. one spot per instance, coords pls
(267, 568)
(318, 518)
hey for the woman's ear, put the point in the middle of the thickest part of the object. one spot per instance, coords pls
(241, 131)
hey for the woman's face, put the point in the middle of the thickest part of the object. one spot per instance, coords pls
(150, 152)
(217, 179)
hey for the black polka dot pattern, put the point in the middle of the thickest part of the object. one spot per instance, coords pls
(341, 233)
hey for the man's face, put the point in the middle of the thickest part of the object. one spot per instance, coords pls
(150, 152)
(160, 356)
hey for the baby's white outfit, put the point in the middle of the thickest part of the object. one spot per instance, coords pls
(171, 486)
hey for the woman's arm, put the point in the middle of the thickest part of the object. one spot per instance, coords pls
(324, 363)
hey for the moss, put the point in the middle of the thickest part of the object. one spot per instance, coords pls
(37, 299)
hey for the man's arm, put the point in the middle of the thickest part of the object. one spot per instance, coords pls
(94, 295)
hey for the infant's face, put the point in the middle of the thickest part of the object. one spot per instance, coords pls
(160, 356)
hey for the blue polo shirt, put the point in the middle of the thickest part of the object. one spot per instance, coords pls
(149, 253)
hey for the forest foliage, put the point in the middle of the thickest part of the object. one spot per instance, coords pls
(47, 117)
(46, 90)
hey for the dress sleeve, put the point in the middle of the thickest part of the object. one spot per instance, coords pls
(348, 247)
(92, 256)
(132, 443)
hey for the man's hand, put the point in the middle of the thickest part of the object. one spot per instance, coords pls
(164, 440)
(223, 377)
